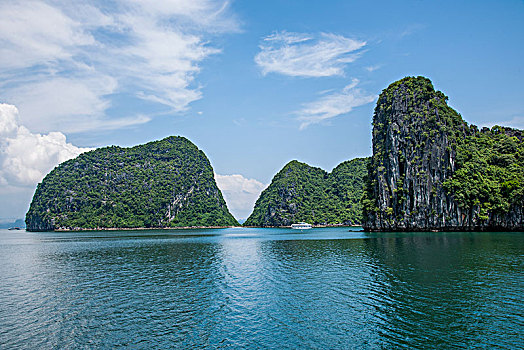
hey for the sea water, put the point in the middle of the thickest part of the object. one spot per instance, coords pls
(325, 288)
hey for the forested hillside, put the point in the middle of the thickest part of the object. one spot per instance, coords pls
(431, 170)
(300, 192)
(165, 183)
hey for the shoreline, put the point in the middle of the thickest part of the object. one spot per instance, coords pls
(469, 229)
(313, 226)
(78, 229)
(137, 228)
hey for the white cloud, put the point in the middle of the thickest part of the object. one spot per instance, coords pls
(332, 105)
(373, 68)
(25, 158)
(33, 32)
(62, 103)
(61, 63)
(111, 124)
(210, 15)
(239, 193)
(298, 54)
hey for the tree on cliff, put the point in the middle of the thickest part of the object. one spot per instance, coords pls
(165, 183)
(431, 170)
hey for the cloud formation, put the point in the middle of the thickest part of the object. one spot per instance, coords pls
(373, 68)
(304, 55)
(239, 193)
(25, 158)
(332, 105)
(62, 62)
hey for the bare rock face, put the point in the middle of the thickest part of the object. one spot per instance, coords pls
(419, 144)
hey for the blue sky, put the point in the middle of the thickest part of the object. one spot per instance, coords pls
(254, 84)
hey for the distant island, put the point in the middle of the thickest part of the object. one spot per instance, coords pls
(429, 170)
(12, 223)
(162, 184)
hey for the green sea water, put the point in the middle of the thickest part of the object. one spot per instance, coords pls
(328, 288)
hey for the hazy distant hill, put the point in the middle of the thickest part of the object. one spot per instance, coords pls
(12, 223)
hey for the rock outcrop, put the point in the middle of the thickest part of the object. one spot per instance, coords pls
(430, 170)
(300, 192)
(167, 183)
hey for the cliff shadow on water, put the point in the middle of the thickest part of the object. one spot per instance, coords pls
(437, 289)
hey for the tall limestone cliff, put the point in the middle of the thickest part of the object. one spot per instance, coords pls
(300, 192)
(165, 183)
(430, 170)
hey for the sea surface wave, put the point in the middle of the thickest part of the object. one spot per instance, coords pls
(325, 288)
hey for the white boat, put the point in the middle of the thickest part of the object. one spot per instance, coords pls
(301, 226)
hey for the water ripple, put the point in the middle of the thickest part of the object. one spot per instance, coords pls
(261, 289)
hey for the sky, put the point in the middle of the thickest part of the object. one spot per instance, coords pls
(254, 84)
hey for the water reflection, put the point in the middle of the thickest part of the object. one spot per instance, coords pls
(444, 290)
(260, 289)
(319, 286)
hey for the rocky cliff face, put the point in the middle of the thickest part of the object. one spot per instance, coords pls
(300, 192)
(423, 161)
(164, 183)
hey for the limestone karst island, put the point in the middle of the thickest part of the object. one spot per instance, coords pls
(167, 183)
(430, 170)
(232, 174)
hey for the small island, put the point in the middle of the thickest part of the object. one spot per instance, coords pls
(300, 192)
(162, 184)
(430, 171)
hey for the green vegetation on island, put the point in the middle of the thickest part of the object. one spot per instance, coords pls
(490, 171)
(300, 192)
(431, 170)
(166, 183)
